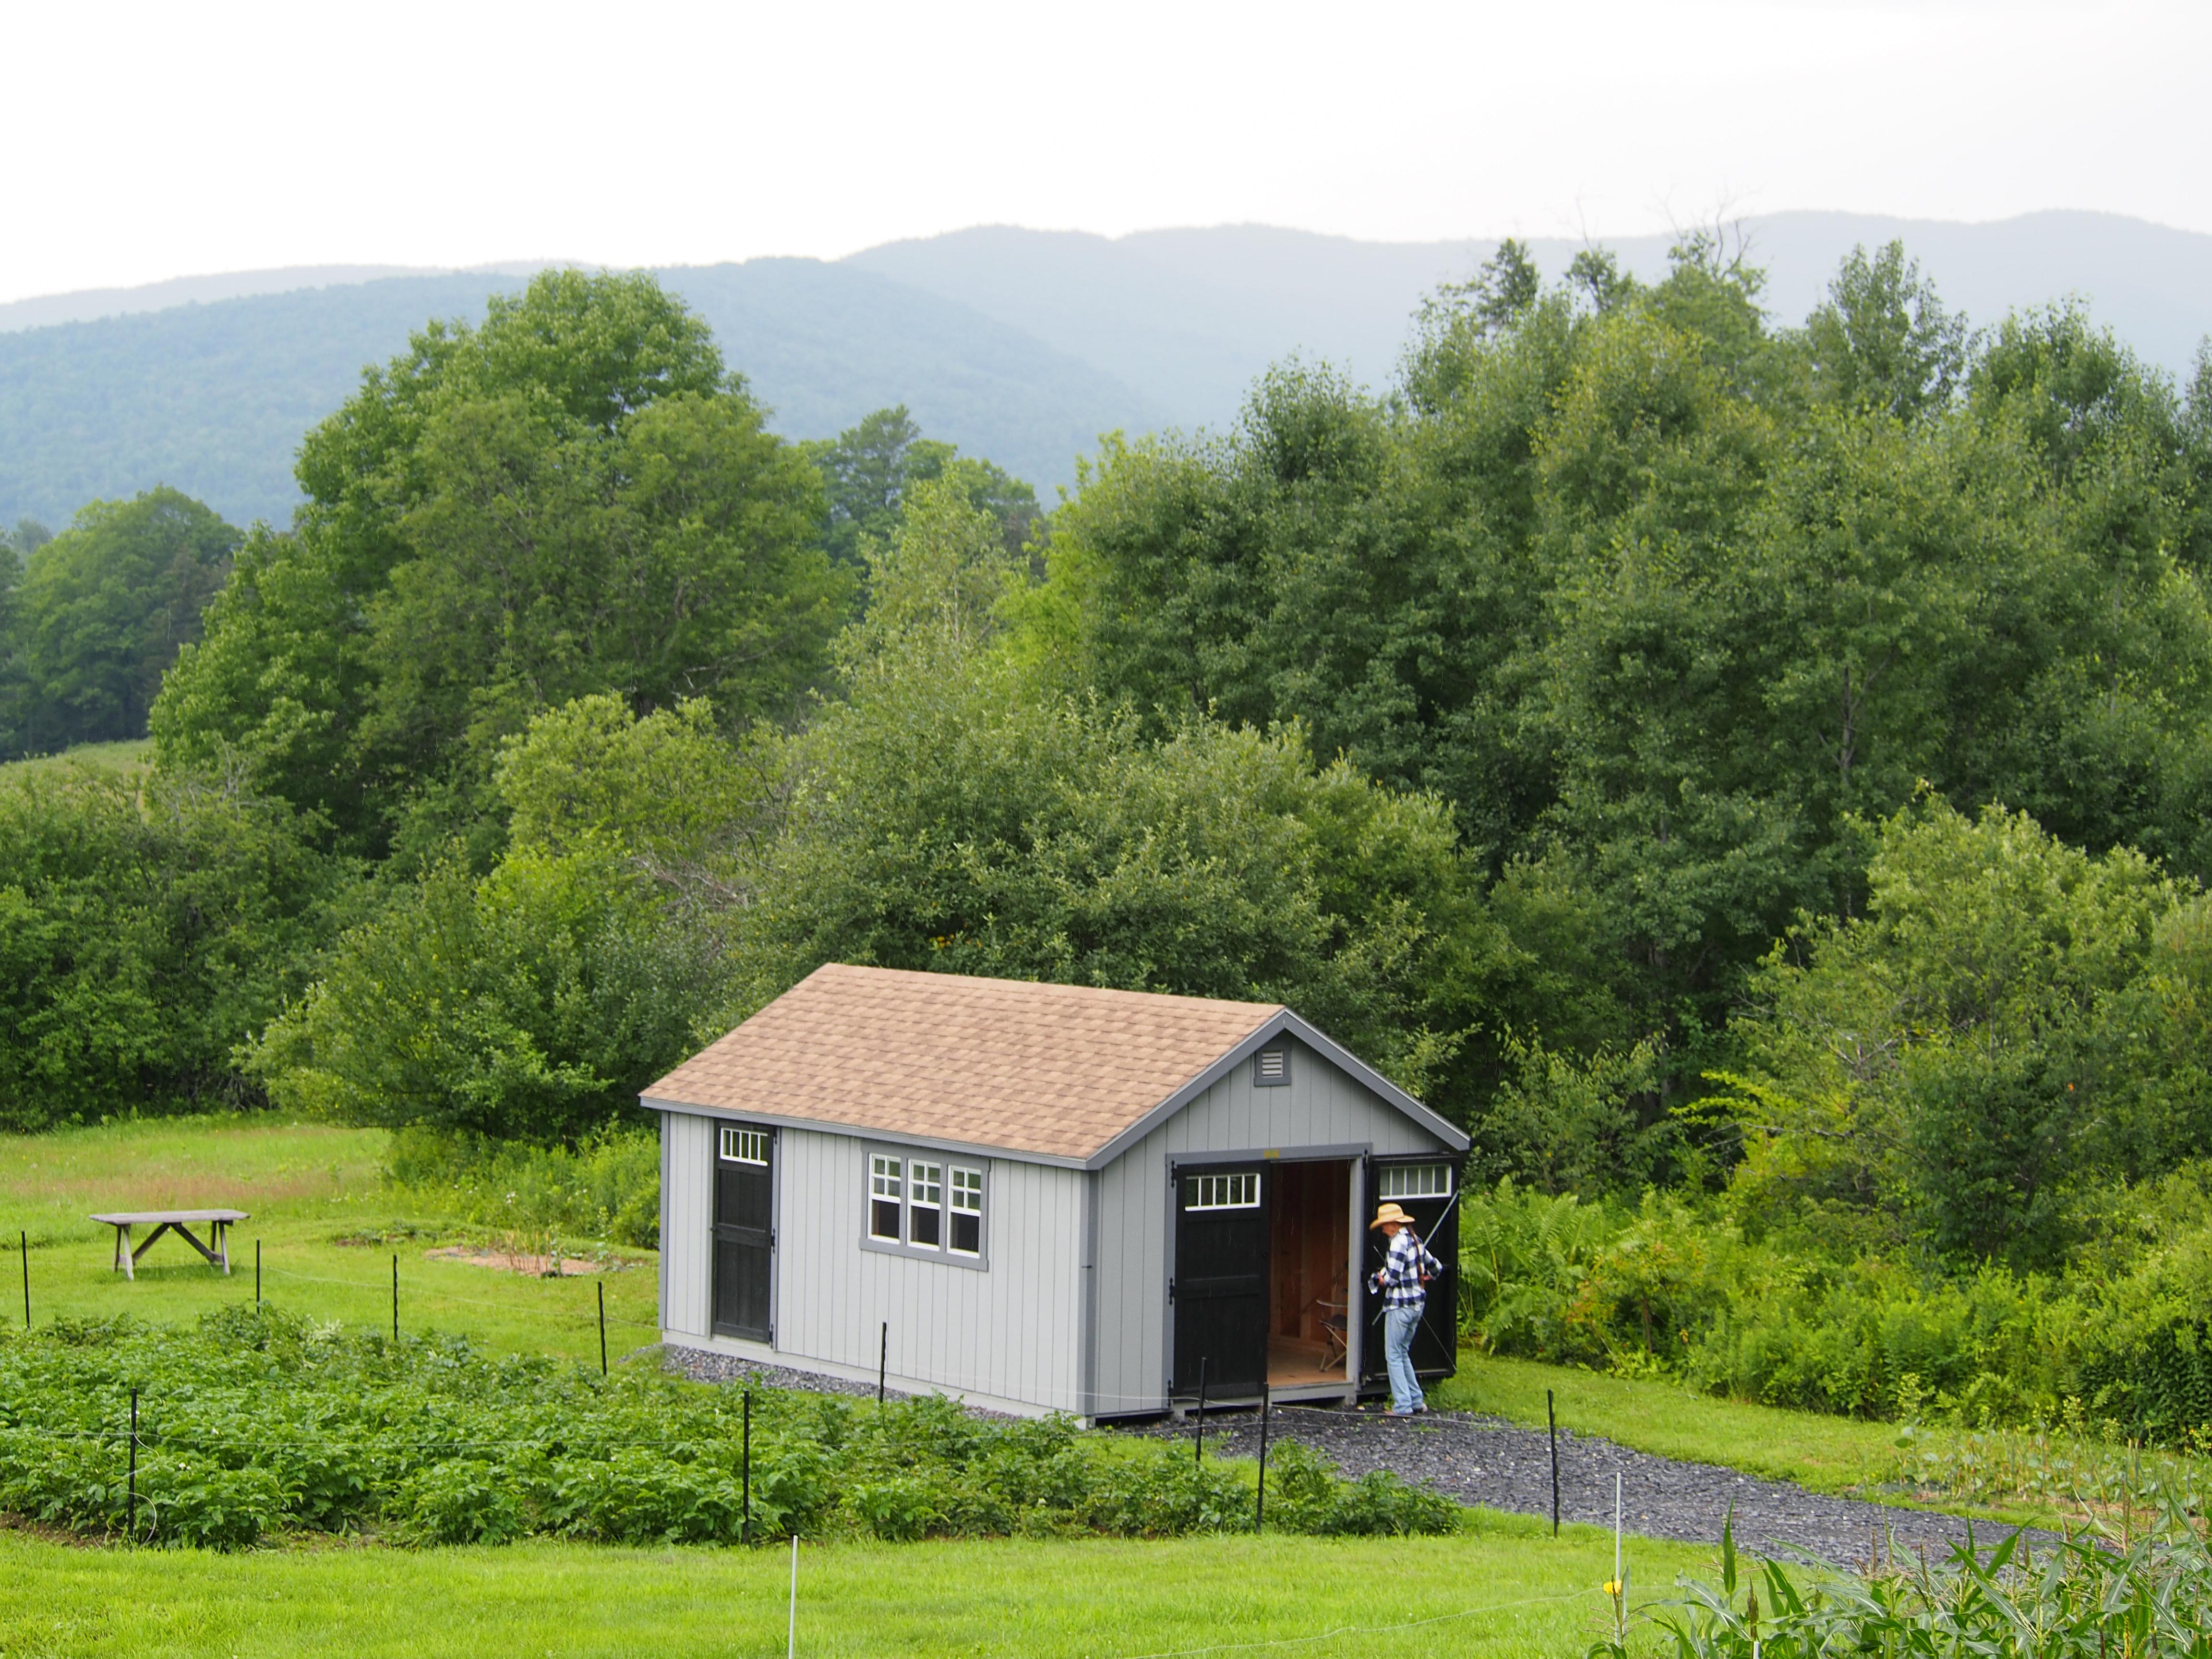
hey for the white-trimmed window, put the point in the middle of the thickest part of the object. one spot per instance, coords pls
(967, 1237)
(1222, 1192)
(923, 1204)
(885, 1189)
(925, 1207)
(1413, 1181)
(744, 1146)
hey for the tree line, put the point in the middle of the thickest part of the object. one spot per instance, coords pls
(1694, 753)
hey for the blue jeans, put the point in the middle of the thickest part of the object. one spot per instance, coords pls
(1398, 1325)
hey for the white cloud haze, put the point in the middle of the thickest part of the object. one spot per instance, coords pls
(144, 141)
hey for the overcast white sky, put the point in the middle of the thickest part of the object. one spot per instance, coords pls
(151, 141)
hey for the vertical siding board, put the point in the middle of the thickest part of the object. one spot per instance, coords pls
(1006, 1330)
(687, 1222)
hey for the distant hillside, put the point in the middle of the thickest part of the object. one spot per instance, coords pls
(1190, 316)
(212, 398)
(1017, 344)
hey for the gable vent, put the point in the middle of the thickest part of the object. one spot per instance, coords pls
(1272, 1068)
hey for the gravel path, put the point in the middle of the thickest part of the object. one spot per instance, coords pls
(1484, 1459)
(1480, 1460)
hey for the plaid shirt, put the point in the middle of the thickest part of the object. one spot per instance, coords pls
(1401, 1278)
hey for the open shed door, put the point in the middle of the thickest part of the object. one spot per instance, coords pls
(745, 1231)
(1219, 1290)
(1423, 1187)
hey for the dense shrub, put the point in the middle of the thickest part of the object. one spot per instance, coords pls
(607, 1186)
(258, 1423)
(1662, 1289)
(149, 923)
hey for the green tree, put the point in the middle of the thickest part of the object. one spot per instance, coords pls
(105, 607)
(947, 816)
(869, 470)
(149, 923)
(534, 1001)
(574, 497)
(1978, 1050)
(1882, 339)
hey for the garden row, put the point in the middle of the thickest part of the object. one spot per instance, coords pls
(256, 1423)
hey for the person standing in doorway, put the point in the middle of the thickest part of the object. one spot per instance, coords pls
(1403, 1281)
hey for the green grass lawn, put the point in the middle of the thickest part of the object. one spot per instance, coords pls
(123, 756)
(307, 1188)
(1502, 1589)
(1827, 1453)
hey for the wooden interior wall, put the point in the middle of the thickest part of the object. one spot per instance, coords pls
(1308, 1246)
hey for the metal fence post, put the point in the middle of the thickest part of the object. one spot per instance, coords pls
(602, 1327)
(1198, 1441)
(131, 1527)
(1259, 1505)
(1552, 1418)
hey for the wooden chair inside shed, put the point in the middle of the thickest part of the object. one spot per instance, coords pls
(1335, 1330)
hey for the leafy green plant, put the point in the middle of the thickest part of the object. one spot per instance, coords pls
(258, 1423)
(2082, 1597)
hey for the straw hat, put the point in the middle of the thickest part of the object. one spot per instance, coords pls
(1389, 1213)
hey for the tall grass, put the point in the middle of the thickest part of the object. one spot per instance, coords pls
(538, 1198)
(2082, 1597)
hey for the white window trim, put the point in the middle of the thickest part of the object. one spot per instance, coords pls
(739, 1145)
(946, 1164)
(1384, 1173)
(1236, 1190)
(886, 1181)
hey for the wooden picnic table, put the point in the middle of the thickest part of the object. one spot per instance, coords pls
(217, 1221)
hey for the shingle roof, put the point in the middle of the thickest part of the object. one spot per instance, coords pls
(1053, 1069)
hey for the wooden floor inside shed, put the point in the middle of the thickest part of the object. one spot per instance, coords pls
(1292, 1363)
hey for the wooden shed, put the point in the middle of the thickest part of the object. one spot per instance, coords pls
(1042, 1197)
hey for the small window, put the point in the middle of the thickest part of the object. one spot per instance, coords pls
(924, 1225)
(1221, 1192)
(919, 1205)
(1414, 1181)
(884, 1193)
(744, 1146)
(1271, 1069)
(967, 1211)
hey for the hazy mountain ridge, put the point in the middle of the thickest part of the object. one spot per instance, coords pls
(1022, 346)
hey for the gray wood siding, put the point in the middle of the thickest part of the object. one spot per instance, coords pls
(687, 1222)
(1010, 1330)
(1321, 1106)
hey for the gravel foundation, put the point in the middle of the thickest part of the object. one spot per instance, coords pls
(1480, 1460)
(702, 1365)
(1484, 1460)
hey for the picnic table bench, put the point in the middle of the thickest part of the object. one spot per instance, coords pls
(217, 1221)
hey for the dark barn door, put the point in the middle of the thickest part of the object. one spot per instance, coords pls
(1423, 1189)
(1220, 1286)
(745, 1235)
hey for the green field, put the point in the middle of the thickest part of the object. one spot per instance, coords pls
(123, 756)
(1501, 1587)
(1502, 1591)
(1827, 1453)
(327, 1224)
